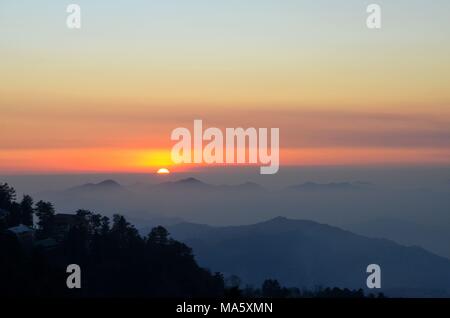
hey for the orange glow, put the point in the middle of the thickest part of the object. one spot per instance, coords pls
(147, 160)
(338, 96)
(153, 158)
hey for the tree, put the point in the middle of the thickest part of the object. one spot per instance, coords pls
(96, 223)
(271, 288)
(27, 211)
(122, 232)
(104, 227)
(7, 196)
(15, 213)
(233, 281)
(46, 214)
(159, 236)
(232, 285)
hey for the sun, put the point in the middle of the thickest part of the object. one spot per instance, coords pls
(163, 171)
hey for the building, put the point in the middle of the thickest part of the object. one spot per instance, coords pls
(23, 233)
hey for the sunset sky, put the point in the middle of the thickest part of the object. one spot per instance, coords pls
(106, 97)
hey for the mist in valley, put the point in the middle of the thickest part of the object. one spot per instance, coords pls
(409, 205)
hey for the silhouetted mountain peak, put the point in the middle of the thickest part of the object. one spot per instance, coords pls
(184, 184)
(190, 180)
(278, 219)
(106, 184)
(195, 184)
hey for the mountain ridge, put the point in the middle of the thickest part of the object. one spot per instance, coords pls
(309, 254)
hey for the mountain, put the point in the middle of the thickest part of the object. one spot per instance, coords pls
(332, 186)
(193, 185)
(106, 185)
(190, 199)
(309, 254)
(433, 238)
(183, 184)
(107, 197)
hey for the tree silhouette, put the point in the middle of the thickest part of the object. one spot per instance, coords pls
(7, 196)
(116, 261)
(271, 288)
(27, 211)
(159, 235)
(46, 214)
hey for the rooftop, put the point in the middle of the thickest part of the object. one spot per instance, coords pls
(19, 229)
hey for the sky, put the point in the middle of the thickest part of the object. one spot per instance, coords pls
(106, 97)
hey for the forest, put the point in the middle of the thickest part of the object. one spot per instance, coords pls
(115, 260)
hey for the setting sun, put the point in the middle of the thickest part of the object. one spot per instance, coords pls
(163, 171)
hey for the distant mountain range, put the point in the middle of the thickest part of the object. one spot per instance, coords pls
(309, 254)
(190, 199)
(434, 238)
(195, 184)
(332, 186)
(106, 185)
